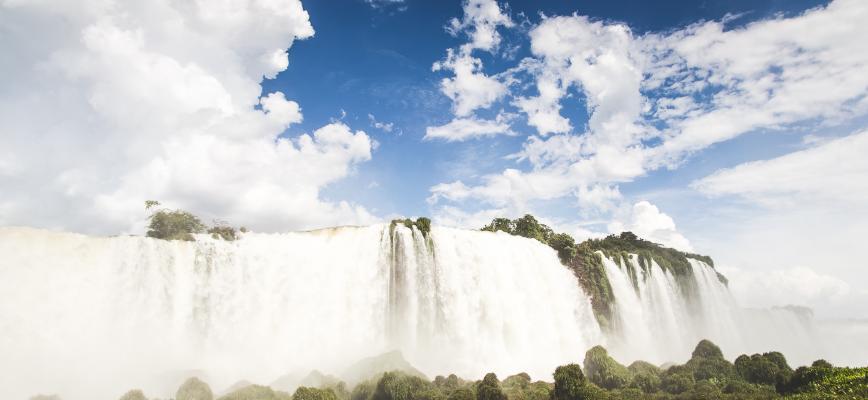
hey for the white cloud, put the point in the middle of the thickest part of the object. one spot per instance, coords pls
(461, 129)
(470, 88)
(642, 96)
(648, 222)
(116, 103)
(480, 21)
(832, 173)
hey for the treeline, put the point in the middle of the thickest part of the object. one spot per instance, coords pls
(706, 376)
(585, 261)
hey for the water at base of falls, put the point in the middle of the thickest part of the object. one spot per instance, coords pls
(93, 317)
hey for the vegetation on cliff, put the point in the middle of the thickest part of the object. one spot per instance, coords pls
(587, 265)
(707, 376)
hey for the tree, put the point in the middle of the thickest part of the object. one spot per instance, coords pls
(604, 371)
(194, 389)
(646, 376)
(570, 384)
(424, 225)
(707, 363)
(308, 393)
(500, 224)
(489, 388)
(256, 392)
(565, 245)
(134, 395)
(172, 224)
(677, 379)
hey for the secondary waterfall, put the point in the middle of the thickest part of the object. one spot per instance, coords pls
(90, 318)
(660, 317)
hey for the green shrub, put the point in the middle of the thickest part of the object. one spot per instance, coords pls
(256, 392)
(134, 395)
(764, 369)
(707, 363)
(821, 363)
(399, 386)
(489, 388)
(646, 377)
(570, 384)
(308, 393)
(677, 379)
(462, 394)
(194, 389)
(604, 371)
(224, 232)
(174, 225)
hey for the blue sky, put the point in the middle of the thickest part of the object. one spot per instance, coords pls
(731, 128)
(366, 60)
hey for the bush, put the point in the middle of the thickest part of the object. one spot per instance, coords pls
(256, 392)
(194, 389)
(398, 386)
(570, 384)
(564, 245)
(677, 379)
(764, 369)
(307, 393)
(224, 232)
(604, 371)
(489, 388)
(707, 363)
(821, 363)
(134, 395)
(174, 225)
(646, 377)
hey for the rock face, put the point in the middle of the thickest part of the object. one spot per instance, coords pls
(194, 389)
(135, 394)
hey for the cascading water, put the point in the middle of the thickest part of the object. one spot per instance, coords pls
(90, 318)
(660, 317)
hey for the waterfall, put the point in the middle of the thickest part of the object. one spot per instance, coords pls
(660, 317)
(90, 317)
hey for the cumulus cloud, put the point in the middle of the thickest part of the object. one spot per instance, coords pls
(461, 129)
(648, 222)
(480, 21)
(115, 103)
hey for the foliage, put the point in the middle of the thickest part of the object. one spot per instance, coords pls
(836, 381)
(677, 379)
(194, 389)
(764, 369)
(520, 387)
(134, 395)
(821, 363)
(570, 384)
(224, 232)
(399, 386)
(256, 392)
(308, 393)
(646, 377)
(174, 225)
(707, 363)
(604, 371)
(182, 225)
(489, 388)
